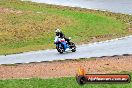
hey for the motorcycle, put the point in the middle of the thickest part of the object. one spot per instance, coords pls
(62, 45)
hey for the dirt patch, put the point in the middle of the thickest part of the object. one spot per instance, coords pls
(66, 68)
(104, 37)
(130, 30)
(7, 10)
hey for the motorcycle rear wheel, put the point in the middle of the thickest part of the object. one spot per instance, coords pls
(73, 47)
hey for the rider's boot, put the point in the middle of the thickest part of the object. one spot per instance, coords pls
(67, 49)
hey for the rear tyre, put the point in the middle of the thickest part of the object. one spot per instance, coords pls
(74, 50)
(73, 47)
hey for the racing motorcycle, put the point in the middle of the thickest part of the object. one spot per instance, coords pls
(62, 45)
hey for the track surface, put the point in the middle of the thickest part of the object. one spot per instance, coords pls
(118, 6)
(113, 47)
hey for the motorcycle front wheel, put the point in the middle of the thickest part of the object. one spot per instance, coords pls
(59, 49)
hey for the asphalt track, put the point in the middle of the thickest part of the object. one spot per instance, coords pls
(113, 47)
(117, 6)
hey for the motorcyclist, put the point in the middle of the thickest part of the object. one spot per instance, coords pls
(61, 35)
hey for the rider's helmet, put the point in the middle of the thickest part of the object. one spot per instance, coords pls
(57, 30)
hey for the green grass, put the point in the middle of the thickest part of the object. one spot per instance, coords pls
(33, 28)
(65, 82)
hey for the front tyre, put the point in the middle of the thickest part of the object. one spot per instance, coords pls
(59, 49)
(81, 80)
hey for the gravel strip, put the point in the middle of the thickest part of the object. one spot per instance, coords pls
(66, 68)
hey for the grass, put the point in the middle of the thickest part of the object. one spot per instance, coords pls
(28, 26)
(64, 82)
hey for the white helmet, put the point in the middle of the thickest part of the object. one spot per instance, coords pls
(57, 30)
